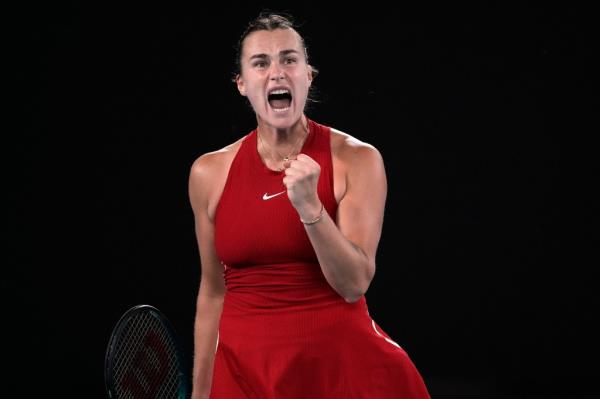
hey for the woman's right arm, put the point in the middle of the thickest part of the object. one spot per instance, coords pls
(212, 287)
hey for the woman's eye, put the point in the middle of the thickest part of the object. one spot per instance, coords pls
(289, 60)
(260, 64)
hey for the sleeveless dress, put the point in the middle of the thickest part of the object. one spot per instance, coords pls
(284, 332)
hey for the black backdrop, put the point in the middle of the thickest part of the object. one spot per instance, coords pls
(484, 270)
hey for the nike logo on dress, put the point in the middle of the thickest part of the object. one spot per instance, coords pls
(266, 196)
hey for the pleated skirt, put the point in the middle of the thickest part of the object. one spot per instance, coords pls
(286, 334)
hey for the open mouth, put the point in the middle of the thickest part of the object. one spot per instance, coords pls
(280, 100)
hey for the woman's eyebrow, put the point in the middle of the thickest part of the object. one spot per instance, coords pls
(286, 52)
(261, 56)
(282, 53)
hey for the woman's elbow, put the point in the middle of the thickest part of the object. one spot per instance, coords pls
(352, 299)
(361, 287)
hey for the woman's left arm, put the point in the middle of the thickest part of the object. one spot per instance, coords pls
(346, 251)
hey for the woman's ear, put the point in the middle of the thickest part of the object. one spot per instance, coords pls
(312, 73)
(240, 84)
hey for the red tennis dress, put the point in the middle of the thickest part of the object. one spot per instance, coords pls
(284, 332)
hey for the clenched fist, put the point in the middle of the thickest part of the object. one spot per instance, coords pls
(301, 178)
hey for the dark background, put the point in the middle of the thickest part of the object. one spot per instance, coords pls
(485, 268)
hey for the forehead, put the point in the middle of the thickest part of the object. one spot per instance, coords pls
(271, 42)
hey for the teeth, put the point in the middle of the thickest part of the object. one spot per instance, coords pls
(280, 91)
(280, 109)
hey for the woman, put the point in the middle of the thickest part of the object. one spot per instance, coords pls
(288, 219)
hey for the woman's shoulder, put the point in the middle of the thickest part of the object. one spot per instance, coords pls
(211, 168)
(350, 149)
(215, 160)
(208, 174)
(357, 165)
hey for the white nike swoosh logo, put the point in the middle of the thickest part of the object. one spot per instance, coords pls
(266, 197)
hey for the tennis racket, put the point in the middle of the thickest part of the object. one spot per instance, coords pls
(144, 358)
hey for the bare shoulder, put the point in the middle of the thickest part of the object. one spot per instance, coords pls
(208, 174)
(356, 165)
(207, 165)
(349, 150)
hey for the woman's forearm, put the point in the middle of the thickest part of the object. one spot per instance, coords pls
(206, 327)
(345, 266)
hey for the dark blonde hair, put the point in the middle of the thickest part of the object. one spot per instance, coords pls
(269, 21)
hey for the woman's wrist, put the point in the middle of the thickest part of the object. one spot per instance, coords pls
(314, 219)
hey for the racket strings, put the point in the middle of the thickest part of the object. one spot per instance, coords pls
(146, 363)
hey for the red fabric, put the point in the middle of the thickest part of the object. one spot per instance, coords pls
(284, 332)
(252, 231)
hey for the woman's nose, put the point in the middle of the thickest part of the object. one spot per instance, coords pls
(276, 72)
